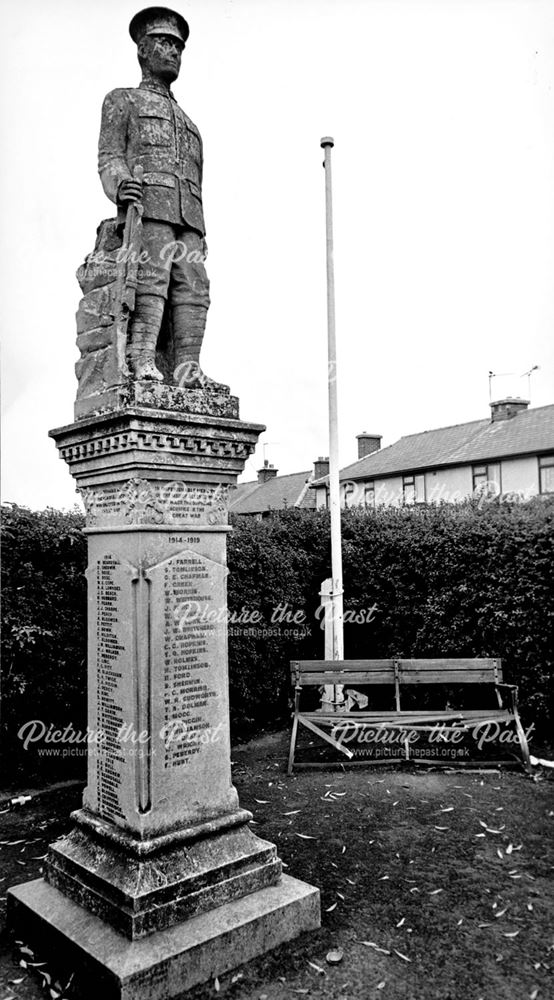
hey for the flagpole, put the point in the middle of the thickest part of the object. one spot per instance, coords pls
(327, 144)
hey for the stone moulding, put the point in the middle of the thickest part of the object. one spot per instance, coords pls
(144, 442)
(142, 848)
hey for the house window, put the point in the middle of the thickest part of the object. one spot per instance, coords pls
(348, 494)
(486, 479)
(413, 489)
(408, 489)
(546, 474)
(369, 494)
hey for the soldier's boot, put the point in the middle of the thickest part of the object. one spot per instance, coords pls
(145, 328)
(189, 323)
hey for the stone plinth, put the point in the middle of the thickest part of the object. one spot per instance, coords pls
(161, 851)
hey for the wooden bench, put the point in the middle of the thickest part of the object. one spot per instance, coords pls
(345, 725)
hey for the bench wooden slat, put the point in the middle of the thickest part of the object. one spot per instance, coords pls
(447, 677)
(305, 666)
(466, 663)
(439, 671)
(345, 677)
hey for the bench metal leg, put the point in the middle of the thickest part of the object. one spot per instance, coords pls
(292, 744)
(523, 741)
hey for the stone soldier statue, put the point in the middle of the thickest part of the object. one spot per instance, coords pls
(145, 127)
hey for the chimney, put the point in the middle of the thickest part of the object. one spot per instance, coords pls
(321, 467)
(505, 409)
(268, 472)
(368, 443)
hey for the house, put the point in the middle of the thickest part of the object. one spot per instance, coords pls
(271, 492)
(509, 454)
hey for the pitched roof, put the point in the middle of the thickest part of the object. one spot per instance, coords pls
(277, 493)
(529, 432)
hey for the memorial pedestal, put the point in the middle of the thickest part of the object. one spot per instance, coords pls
(161, 853)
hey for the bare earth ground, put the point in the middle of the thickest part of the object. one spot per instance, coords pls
(436, 885)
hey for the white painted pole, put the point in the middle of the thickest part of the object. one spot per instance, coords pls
(334, 489)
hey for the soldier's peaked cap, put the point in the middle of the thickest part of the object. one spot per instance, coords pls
(158, 21)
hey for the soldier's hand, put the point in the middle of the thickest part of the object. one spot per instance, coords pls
(129, 190)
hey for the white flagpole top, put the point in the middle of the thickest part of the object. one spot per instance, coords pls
(327, 141)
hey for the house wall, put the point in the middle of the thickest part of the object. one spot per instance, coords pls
(514, 475)
(320, 496)
(388, 492)
(520, 475)
(450, 485)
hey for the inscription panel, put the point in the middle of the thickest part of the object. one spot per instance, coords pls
(189, 674)
(111, 704)
(138, 501)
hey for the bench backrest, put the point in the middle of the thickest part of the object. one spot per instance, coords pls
(447, 671)
(436, 671)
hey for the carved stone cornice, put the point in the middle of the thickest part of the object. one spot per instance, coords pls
(156, 443)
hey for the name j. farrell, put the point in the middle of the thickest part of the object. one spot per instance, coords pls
(173, 733)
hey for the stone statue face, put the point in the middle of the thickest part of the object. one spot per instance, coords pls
(161, 55)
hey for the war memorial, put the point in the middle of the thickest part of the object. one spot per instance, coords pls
(161, 883)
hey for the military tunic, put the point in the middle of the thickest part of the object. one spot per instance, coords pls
(145, 126)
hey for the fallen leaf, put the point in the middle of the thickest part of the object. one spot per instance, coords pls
(371, 944)
(511, 934)
(334, 956)
(501, 912)
(316, 967)
(305, 836)
(216, 984)
(435, 892)
(262, 802)
(403, 957)
(534, 994)
(381, 985)
(383, 878)
(441, 828)
(332, 907)
(292, 812)
(448, 809)
(400, 922)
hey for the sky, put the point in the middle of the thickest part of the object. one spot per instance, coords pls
(442, 113)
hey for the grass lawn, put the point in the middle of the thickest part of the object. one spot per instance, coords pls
(436, 885)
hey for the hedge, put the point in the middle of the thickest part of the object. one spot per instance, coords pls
(446, 580)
